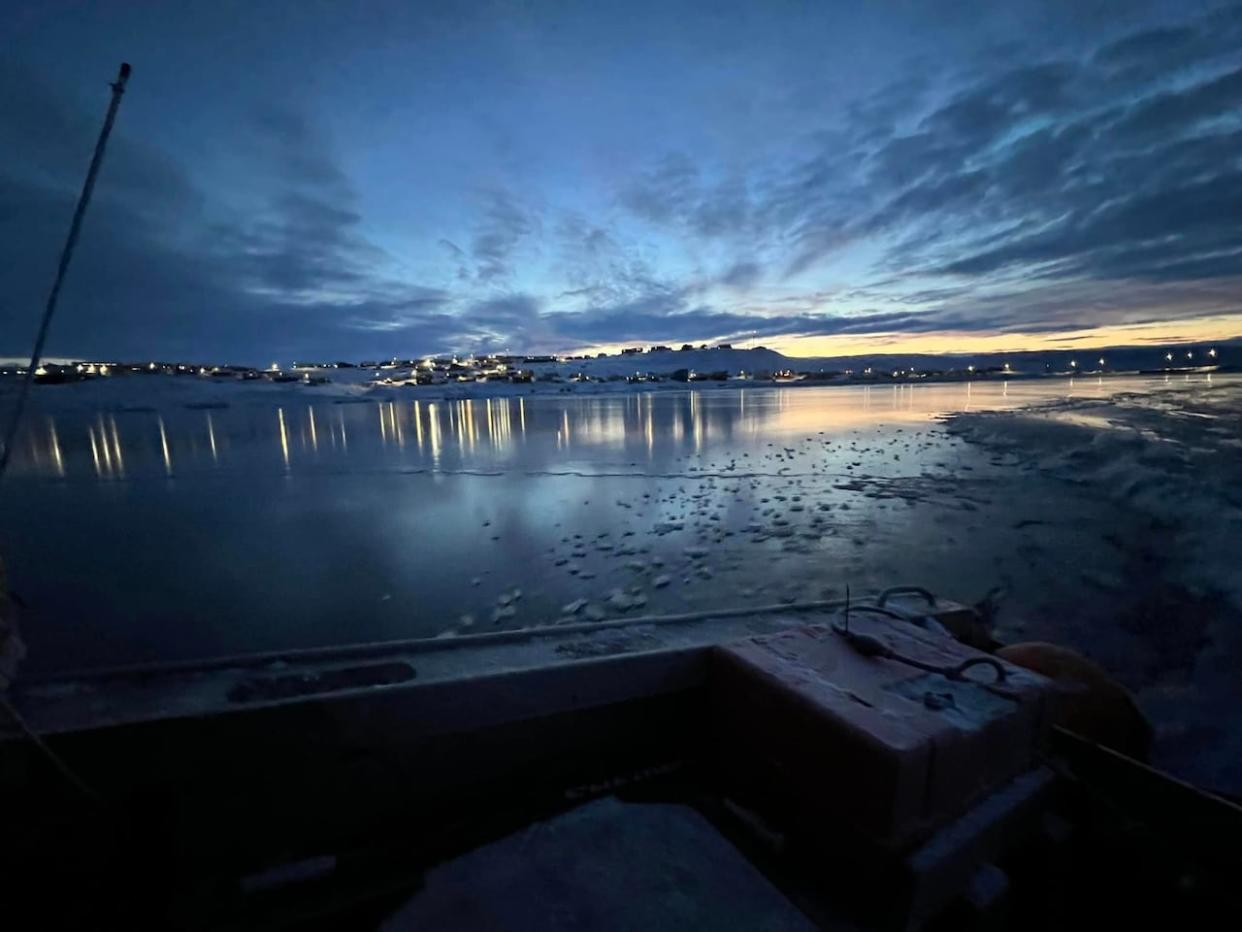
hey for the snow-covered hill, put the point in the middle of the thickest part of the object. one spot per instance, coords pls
(666, 362)
(1124, 358)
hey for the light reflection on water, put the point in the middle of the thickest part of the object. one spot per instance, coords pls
(459, 433)
(144, 535)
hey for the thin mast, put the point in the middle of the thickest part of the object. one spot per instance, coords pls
(118, 88)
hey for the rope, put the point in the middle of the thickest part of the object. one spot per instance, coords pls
(871, 646)
(55, 759)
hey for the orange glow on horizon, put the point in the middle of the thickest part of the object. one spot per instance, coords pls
(1164, 333)
(1157, 334)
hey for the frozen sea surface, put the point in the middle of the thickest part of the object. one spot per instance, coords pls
(159, 530)
(155, 519)
(1167, 466)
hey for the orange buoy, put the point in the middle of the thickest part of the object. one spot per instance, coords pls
(1092, 703)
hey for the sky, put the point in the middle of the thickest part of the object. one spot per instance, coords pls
(343, 181)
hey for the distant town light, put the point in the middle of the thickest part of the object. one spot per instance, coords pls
(1073, 363)
(1101, 360)
(1212, 353)
(1168, 356)
(1189, 354)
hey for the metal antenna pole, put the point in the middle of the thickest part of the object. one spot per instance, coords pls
(118, 88)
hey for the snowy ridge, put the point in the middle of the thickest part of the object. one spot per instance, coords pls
(667, 362)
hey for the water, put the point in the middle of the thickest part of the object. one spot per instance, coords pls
(142, 535)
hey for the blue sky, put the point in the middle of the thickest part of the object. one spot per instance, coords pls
(373, 179)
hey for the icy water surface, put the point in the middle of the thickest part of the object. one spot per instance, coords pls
(171, 532)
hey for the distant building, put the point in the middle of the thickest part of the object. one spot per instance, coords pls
(685, 348)
(724, 346)
(632, 351)
(659, 349)
(53, 374)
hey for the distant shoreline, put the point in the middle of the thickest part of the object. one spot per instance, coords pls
(123, 393)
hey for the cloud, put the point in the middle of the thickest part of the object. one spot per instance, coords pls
(1174, 112)
(674, 192)
(154, 276)
(1116, 166)
(1164, 53)
(876, 115)
(1147, 44)
(502, 319)
(666, 192)
(503, 225)
(742, 275)
(673, 320)
(984, 112)
(1116, 239)
(1080, 183)
(51, 141)
(297, 149)
(453, 249)
(1055, 183)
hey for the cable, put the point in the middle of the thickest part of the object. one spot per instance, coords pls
(871, 646)
(56, 760)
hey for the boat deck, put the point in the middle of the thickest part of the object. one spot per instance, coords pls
(101, 698)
